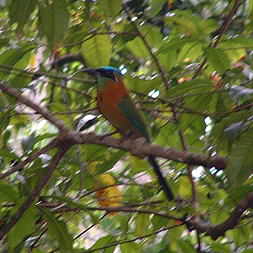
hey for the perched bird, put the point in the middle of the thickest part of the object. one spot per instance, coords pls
(115, 104)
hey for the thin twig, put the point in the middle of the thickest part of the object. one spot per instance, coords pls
(6, 227)
(90, 227)
(149, 48)
(28, 102)
(134, 239)
(29, 159)
(199, 242)
(61, 208)
(221, 31)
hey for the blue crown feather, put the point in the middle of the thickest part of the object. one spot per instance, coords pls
(110, 68)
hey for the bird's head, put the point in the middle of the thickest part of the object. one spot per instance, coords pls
(104, 73)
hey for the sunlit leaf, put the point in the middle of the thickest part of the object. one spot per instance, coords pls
(53, 21)
(110, 8)
(217, 59)
(24, 227)
(58, 231)
(130, 247)
(97, 50)
(241, 161)
(20, 11)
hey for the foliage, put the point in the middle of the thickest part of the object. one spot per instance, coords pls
(188, 65)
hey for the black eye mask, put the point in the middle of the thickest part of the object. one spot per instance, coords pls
(106, 73)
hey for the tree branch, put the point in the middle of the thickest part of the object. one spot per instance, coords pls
(30, 158)
(216, 231)
(72, 137)
(28, 102)
(151, 149)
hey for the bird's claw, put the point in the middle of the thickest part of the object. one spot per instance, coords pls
(137, 146)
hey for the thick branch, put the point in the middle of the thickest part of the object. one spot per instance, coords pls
(4, 229)
(215, 231)
(131, 146)
(145, 149)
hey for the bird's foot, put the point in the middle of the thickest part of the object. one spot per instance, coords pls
(137, 146)
(102, 137)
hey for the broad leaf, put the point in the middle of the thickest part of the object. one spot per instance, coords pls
(97, 50)
(53, 21)
(217, 59)
(240, 163)
(24, 227)
(20, 11)
(58, 231)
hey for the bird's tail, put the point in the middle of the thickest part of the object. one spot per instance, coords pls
(162, 181)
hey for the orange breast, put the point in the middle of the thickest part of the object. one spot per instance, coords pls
(108, 99)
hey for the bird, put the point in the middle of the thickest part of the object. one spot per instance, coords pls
(116, 105)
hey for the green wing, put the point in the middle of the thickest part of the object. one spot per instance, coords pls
(134, 116)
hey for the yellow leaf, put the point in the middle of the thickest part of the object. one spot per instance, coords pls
(106, 179)
(108, 196)
(184, 187)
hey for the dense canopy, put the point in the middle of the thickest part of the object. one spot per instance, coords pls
(69, 183)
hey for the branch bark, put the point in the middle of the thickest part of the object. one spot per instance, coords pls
(135, 148)
(28, 102)
(216, 231)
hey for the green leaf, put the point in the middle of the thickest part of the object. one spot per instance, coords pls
(24, 227)
(8, 192)
(97, 50)
(235, 43)
(142, 224)
(191, 24)
(58, 231)
(130, 247)
(142, 85)
(240, 159)
(174, 44)
(190, 87)
(11, 57)
(236, 48)
(20, 11)
(247, 251)
(168, 59)
(217, 59)
(186, 246)
(110, 8)
(137, 47)
(190, 51)
(156, 6)
(53, 21)
(102, 242)
(249, 8)
(219, 247)
(158, 222)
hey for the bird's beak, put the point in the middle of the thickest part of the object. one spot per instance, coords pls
(89, 71)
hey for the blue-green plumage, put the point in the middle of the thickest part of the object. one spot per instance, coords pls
(117, 107)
